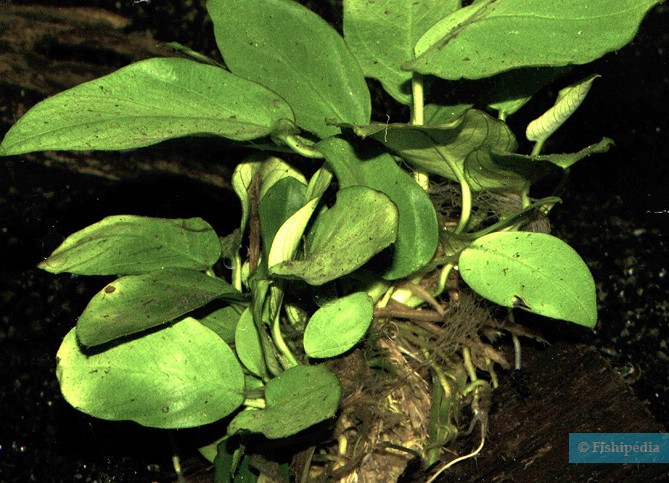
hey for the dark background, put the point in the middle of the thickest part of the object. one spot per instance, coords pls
(615, 214)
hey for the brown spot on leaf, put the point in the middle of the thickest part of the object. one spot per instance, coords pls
(110, 289)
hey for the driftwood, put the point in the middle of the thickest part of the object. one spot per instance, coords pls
(45, 50)
(570, 389)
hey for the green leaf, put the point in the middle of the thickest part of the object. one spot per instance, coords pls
(482, 173)
(509, 91)
(318, 184)
(135, 303)
(230, 244)
(287, 240)
(340, 242)
(289, 235)
(568, 100)
(291, 50)
(231, 463)
(127, 244)
(198, 57)
(181, 376)
(511, 215)
(266, 302)
(338, 326)
(492, 36)
(436, 114)
(500, 168)
(223, 321)
(503, 171)
(296, 399)
(418, 228)
(382, 35)
(443, 149)
(270, 169)
(280, 202)
(146, 103)
(249, 346)
(532, 271)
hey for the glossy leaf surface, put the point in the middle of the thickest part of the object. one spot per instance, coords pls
(270, 169)
(135, 303)
(146, 103)
(291, 50)
(127, 244)
(418, 229)
(569, 99)
(445, 149)
(179, 377)
(280, 202)
(296, 399)
(339, 325)
(532, 271)
(493, 36)
(249, 346)
(382, 35)
(342, 241)
(527, 167)
(223, 321)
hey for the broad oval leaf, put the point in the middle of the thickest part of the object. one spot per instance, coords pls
(338, 325)
(135, 303)
(127, 244)
(296, 399)
(382, 35)
(146, 103)
(249, 346)
(291, 50)
(361, 223)
(493, 36)
(532, 271)
(179, 377)
(418, 228)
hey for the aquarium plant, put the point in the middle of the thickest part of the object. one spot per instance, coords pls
(339, 328)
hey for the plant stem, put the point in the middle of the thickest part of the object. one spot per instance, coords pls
(255, 403)
(465, 190)
(418, 95)
(443, 278)
(301, 146)
(525, 197)
(466, 209)
(237, 272)
(281, 344)
(418, 119)
(536, 150)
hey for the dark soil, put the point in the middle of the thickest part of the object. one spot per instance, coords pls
(615, 214)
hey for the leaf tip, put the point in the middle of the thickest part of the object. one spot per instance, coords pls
(49, 266)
